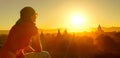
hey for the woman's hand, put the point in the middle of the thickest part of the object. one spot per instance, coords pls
(28, 49)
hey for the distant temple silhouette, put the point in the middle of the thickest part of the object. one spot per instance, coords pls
(42, 35)
(58, 33)
(65, 32)
(99, 29)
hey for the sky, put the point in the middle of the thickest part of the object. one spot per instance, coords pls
(57, 13)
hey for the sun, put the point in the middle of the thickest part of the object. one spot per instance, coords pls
(77, 20)
(76, 23)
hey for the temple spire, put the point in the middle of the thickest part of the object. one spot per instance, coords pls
(99, 29)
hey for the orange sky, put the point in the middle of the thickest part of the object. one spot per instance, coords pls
(58, 13)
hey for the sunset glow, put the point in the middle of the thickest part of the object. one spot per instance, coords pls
(70, 14)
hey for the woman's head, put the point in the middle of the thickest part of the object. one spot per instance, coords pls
(28, 13)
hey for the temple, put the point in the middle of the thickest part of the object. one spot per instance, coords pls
(99, 29)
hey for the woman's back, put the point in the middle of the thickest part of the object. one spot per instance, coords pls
(19, 37)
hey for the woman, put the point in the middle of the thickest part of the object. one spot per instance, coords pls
(23, 37)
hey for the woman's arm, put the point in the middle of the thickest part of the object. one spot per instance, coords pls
(36, 43)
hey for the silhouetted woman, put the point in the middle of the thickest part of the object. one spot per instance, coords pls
(23, 38)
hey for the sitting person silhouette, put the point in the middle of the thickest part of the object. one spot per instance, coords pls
(23, 38)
